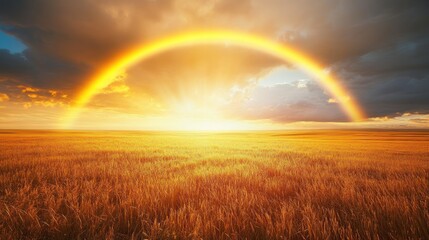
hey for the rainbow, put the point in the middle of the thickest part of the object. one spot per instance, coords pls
(110, 71)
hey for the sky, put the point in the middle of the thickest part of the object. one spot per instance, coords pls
(378, 49)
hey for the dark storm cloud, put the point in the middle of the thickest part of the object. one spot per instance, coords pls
(395, 93)
(406, 56)
(391, 80)
(13, 65)
(79, 31)
(354, 28)
(378, 48)
(40, 70)
(68, 39)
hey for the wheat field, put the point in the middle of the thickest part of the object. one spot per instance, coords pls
(339, 184)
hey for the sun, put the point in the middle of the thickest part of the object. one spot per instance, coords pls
(200, 113)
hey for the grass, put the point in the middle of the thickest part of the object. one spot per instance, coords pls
(248, 185)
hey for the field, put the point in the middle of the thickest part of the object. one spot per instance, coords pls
(238, 185)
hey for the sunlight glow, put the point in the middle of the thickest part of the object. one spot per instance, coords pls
(110, 71)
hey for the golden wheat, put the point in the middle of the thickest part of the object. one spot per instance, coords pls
(244, 185)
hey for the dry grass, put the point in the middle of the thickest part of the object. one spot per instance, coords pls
(261, 185)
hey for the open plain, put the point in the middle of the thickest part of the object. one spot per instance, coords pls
(342, 184)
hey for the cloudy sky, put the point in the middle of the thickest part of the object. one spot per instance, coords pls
(379, 49)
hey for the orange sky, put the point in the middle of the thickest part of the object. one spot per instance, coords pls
(47, 60)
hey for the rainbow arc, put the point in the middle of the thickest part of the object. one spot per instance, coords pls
(110, 71)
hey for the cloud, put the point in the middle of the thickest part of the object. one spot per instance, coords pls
(379, 49)
(14, 65)
(288, 103)
(4, 97)
(28, 97)
(405, 120)
(391, 80)
(39, 70)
